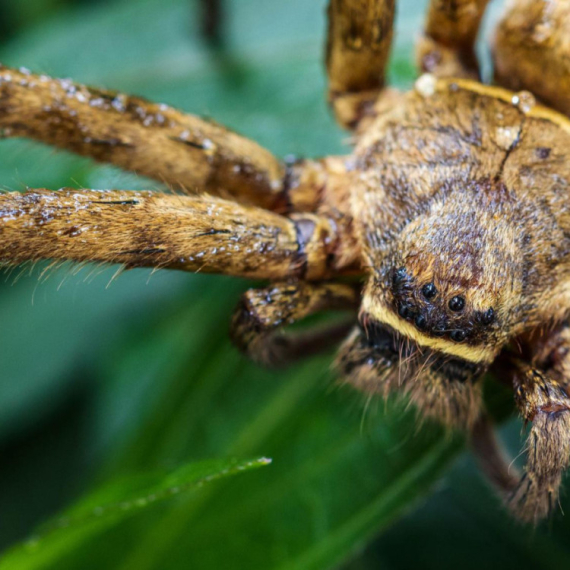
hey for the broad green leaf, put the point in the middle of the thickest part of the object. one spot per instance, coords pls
(334, 483)
(108, 506)
(464, 526)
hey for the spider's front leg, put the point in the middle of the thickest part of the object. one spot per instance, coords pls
(263, 312)
(145, 229)
(181, 150)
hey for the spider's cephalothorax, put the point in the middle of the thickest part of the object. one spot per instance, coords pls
(446, 232)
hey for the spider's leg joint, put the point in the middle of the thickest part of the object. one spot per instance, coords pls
(316, 241)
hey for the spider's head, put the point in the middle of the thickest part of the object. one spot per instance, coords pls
(452, 281)
(442, 297)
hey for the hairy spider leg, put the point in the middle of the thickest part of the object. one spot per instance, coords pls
(532, 52)
(146, 229)
(359, 39)
(545, 402)
(447, 46)
(181, 150)
(541, 385)
(262, 313)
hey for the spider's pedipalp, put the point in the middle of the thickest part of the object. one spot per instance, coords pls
(447, 48)
(358, 46)
(155, 140)
(532, 52)
(376, 359)
(145, 229)
(262, 312)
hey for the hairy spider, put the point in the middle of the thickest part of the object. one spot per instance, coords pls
(447, 230)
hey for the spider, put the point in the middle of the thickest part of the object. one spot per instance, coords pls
(446, 231)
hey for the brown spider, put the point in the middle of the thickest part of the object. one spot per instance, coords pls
(452, 211)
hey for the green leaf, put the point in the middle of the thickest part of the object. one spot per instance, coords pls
(107, 507)
(478, 531)
(335, 482)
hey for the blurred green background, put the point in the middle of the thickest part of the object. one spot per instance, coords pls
(131, 432)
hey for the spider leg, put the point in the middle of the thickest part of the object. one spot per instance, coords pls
(212, 20)
(546, 403)
(446, 48)
(491, 456)
(155, 140)
(358, 46)
(262, 312)
(542, 396)
(532, 52)
(146, 229)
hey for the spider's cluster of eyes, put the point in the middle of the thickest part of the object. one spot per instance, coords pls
(423, 320)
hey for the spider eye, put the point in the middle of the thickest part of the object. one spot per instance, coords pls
(406, 311)
(400, 275)
(440, 329)
(488, 316)
(457, 304)
(429, 291)
(421, 322)
(458, 336)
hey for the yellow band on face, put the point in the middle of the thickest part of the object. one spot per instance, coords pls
(382, 314)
